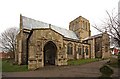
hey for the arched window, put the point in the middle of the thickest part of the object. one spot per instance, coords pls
(86, 26)
(83, 26)
(83, 49)
(69, 48)
(86, 50)
(79, 50)
(106, 48)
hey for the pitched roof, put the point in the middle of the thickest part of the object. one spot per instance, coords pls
(29, 23)
(95, 36)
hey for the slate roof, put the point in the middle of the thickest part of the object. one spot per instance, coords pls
(91, 37)
(30, 24)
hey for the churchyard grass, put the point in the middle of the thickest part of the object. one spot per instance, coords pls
(7, 66)
(81, 61)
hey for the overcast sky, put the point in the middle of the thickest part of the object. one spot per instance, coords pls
(56, 12)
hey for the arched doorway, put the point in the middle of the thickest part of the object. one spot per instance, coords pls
(50, 50)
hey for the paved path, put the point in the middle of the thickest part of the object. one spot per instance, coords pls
(86, 70)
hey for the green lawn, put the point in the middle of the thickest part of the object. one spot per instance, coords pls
(7, 66)
(81, 61)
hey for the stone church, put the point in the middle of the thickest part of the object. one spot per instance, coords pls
(41, 44)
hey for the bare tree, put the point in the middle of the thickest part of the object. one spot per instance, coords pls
(7, 40)
(112, 26)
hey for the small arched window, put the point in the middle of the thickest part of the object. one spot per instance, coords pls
(86, 26)
(69, 48)
(86, 50)
(79, 50)
(83, 25)
(83, 49)
(106, 48)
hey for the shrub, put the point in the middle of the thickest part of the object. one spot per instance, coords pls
(106, 71)
(119, 58)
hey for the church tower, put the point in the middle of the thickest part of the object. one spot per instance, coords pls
(81, 27)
